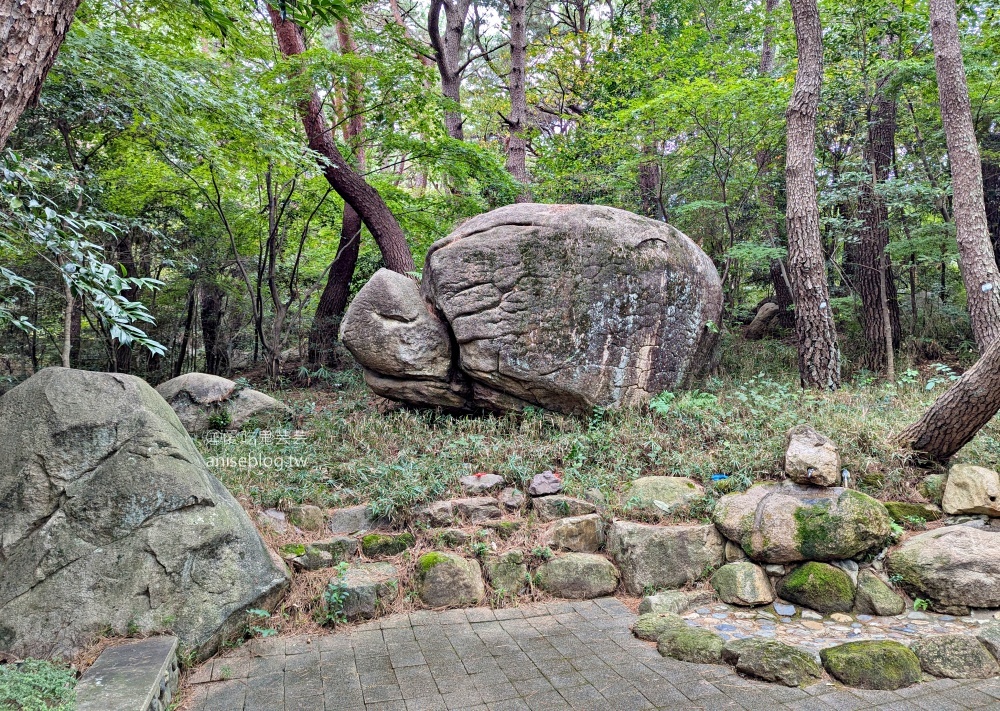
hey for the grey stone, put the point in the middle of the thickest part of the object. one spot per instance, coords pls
(955, 656)
(734, 554)
(989, 637)
(449, 580)
(139, 674)
(512, 499)
(550, 508)
(197, 397)
(784, 610)
(669, 491)
(773, 661)
(369, 589)
(660, 557)
(508, 573)
(306, 517)
(544, 484)
(971, 490)
(273, 519)
(102, 483)
(675, 601)
(953, 566)
(875, 597)
(872, 664)
(690, 644)
(743, 584)
(581, 534)
(649, 626)
(785, 523)
(476, 509)
(436, 513)
(375, 545)
(481, 483)
(453, 537)
(848, 566)
(354, 519)
(811, 458)
(578, 576)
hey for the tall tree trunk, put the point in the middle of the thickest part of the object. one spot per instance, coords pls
(960, 412)
(186, 336)
(517, 122)
(879, 307)
(819, 356)
(991, 190)
(333, 300)
(650, 200)
(979, 267)
(448, 56)
(211, 318)
(348, 183)
(31, 32)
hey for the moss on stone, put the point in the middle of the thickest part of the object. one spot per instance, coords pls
(819, 586)
(881, 664)
(772, 661)
(815, 529)
(691, 644)
(293, 550)
(651, 625)
(383, 544)
(429, 560)
(905, 511)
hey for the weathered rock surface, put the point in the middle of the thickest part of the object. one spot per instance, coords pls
(989, 636)
(545, 484)
(670, 491)
(550, 508)
(785, 523)
(690, 644)
(110, 518)
(578, 576)
(481, 482)
(307, 517)
(369, 588)
(971, 490)
(811, 458)
(771, 660)
(818, 586)
(580, 534)
(955, 656)
(508, 572)
(906, 511)
(655, 557)
(475, 509)
(743, 584)
(354, 519)
(512, 499)
(375, 545)
(196, 397)
(874, 597)
(675, 601)
(884, 665)
(650, 626)
(954, 567)
(560, 306)
(449, 580)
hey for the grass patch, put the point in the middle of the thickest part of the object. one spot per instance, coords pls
(35, 685)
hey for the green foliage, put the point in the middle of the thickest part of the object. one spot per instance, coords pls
(335, 597)
(257, 623)
(36, 685)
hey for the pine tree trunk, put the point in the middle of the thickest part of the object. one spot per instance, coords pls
(819, 356)
(31, 32)
(976, 259)
(448, 55)
(991, 192)
(879, 305)
(348, 183)
(960, 412)
(516, 146)
(211, 318)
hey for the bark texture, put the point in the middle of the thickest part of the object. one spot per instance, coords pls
(448, 55)
(978, 264)
(31, 32)
(516, 145)
(211, 319)
(960, 412)
(348, 183)
(819, 355)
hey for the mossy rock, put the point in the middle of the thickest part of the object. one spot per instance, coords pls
(932, 488)
(905, 511)
(818, 586)
(690, 644)
(449, 580)
(376, 545)
(292, 550)
(508, 573)
(743, 583)
(955, 656)
(651, 625)
(773, 661)
(874, 597)
(882, 664)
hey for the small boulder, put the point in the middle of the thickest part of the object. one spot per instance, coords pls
(650, 626)
(875, 664)
(989, 636)
(811, 458)
(200, 399)
(955, 567)
(772, 661)
(342, 548)
(308, 518)
(476, 509)
(907, 512)
(544, 484)
(436, 513)
(675, 601)
(874, 597)
(322, 554)
(580, 534)
(354, 519)
(453, 537)
(743, 584)
(669, 491)
(378, 545)
(508, 573)
(550, 508)
(734, 554)
(449, 580)
(273, 519)
(578, 576)
(955, 656)
(661, 557)
(972, 490)
(690, 644)
(786, 523)
(818, 586)
(369, 588)
(512, 499)
(481, 482)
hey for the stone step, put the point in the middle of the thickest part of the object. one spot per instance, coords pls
(136, 676)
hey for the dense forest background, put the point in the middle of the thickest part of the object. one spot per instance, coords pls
(167, 208)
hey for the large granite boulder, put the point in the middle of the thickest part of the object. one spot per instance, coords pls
(560, 306)
(204, 402)
(109, 519)
(971, 490)
(955, 567)
(786, 523)
(657, 557)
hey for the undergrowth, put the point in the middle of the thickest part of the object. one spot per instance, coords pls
(35, 685)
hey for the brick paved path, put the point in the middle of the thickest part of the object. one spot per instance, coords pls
(577, 655)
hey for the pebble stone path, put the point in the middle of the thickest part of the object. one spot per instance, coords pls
(566, 655)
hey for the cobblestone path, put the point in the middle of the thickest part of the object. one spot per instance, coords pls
(577, 655)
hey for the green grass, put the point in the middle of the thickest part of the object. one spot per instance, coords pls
(34, 685)
(733, 424)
